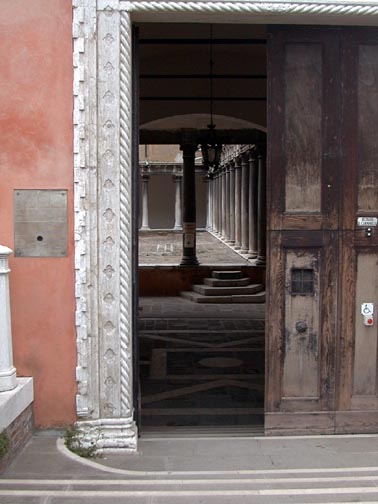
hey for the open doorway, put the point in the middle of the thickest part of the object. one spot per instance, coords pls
(202, 325)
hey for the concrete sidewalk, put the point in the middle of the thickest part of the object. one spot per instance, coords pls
(205, 469)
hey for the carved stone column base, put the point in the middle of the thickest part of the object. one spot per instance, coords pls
(108, 434)
(8, 379)
(189, 261)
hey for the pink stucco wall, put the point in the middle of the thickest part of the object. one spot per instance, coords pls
(36, 153)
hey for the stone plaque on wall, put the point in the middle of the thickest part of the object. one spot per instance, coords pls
(40, 223)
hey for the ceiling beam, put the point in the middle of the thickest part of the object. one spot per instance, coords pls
(193, 136)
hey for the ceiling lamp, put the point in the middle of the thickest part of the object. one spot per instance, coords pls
(211, 149)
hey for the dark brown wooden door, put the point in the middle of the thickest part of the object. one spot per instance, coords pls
(303, 222)
(322, 176)
(358, 350)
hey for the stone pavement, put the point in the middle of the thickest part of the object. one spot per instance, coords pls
(203, 469)
(165, 247)
(201, 365)
(207, 314)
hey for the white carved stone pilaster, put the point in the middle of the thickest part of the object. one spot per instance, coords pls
(108, 211)
(85, 204)
(126, 289)
(103, 233)
(7, 370)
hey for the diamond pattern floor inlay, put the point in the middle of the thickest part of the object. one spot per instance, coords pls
(198, 372)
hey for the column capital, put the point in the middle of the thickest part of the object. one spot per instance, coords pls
(5, 251)
(189, 149)
(252, 154)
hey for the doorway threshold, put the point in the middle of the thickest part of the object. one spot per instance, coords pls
(203, 432)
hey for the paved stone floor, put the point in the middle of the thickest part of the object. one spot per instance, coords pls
(165, 247)
(200, 470)
(201, 365)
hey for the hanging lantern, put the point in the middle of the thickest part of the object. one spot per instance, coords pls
(211, 149)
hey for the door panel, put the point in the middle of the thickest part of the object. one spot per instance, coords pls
(303, 115)
(322, 361)
(358, 390)
(303, 219)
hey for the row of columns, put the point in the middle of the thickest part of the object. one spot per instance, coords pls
(145, 197)
(237, 204)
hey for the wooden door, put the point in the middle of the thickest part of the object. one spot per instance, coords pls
(358, 350)
(322, 371)
(303, 222)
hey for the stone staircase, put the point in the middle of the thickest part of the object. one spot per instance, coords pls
(226, 287)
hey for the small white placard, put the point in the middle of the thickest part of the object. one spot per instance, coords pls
(367, 309)
(367, 221)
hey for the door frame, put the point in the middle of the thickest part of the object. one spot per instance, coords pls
(103, 166)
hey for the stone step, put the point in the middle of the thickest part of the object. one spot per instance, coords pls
(238, 282)
(199, 298)
(227, 275)
(206, 290)
(259, 297)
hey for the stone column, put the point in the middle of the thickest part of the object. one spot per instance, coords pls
(252, 203)
(232, 203)
(244, 204)
(261, 226)
(227, 217)
(145, 223)
(7, 370)
(189, 257)
(219, 205)
(178, 209)
(237, 203)
(224, 203)
(208, 204)
(215, 185)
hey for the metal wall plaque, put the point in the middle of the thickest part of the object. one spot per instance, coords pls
(40, 223)
(367, 221)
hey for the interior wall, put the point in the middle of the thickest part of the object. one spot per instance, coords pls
(161, 200)
(36, 153)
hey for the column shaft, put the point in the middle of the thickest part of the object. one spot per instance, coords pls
(224, 202)
(244, 204)
(208, 204)
(178, 206)
(261, 229)
(189, 257)
(215, 185)
(145, 220)
(220, 204)
(252, 203)
(227, 203)
(232, 203)
(7, 370)
(237, 204)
